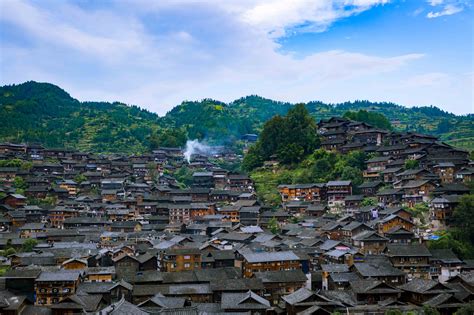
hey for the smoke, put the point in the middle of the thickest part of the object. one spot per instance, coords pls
(195, 147)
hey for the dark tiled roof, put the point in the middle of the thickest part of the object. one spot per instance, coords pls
(416, 250)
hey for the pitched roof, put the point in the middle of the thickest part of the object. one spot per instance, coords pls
(123, 307)
(281, 276)
(415, 250)
(379, 269)
(446, 256)
(60, 275)
(298, 296)
(254, 257)
(243, 301)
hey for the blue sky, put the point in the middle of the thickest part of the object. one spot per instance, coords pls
(158, 53)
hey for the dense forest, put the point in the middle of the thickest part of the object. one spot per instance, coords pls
(44, 113)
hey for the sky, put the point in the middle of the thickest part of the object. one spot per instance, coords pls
(156, 54)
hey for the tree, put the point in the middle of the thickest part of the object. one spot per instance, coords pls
(169, 137)
(463, 218)
(393, 312)
(288, 138)
(429, 310)
(444, 126)
(253, 158)
(368, 201)
(448, 240)
(19, 183)
(184, 175)
(80, 178)
(28, 245)
(419, 210)
(273, 226)
(356, 159)
(290, 154)
(467, 309)
(375, 119)
(411, 164)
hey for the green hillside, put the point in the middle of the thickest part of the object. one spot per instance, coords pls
(42, 112)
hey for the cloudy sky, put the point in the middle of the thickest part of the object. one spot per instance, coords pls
(158, 53)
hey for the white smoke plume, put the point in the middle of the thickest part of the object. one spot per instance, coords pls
(195, 147)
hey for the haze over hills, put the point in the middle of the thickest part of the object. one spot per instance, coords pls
(44, 113)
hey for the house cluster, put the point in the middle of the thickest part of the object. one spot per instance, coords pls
(403, 169)
(120, 235)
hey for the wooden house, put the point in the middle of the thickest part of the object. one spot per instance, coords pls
(308, 192)
(414, 259)
(53, 287)
(181, 259)
(253, 262)
(337, 191)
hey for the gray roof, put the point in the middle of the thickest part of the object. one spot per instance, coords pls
(281, 276)
(415, 250)
(123, 307)
(165, 302)
(418, 285)
(253, 257)
(379, 269)
(446, 256)
(298, 296)
(336, 268)
(372, 286)
(344, 277)
(243, 301)
(60, 275)
(338, 183)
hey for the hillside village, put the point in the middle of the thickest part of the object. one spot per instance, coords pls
(83, 233)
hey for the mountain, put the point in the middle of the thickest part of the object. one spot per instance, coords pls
(42, 112)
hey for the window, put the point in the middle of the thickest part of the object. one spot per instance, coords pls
(187, 265)
(187, 257)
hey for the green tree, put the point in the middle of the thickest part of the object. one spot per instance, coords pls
(290, 154)
(168, 137)
(274, 226)
(184, 175)
(253, 158)
(375, 119)
(19, 183)
(28, 245)
(411, 164)
(80, 178)
(448, 240)
(368, 201)
(419, 210)
(467, 309)
(429, 310)
(463, 218)
(288, 138)
(356, 159)
(393, 312)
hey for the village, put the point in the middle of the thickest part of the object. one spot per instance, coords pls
(85, 233)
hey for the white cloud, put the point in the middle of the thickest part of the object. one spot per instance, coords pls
(157, 54)
(434, 3)
(432, 79)
(277, 17)
(447, 10)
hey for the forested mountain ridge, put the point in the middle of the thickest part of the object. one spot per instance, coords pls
(44, 113)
